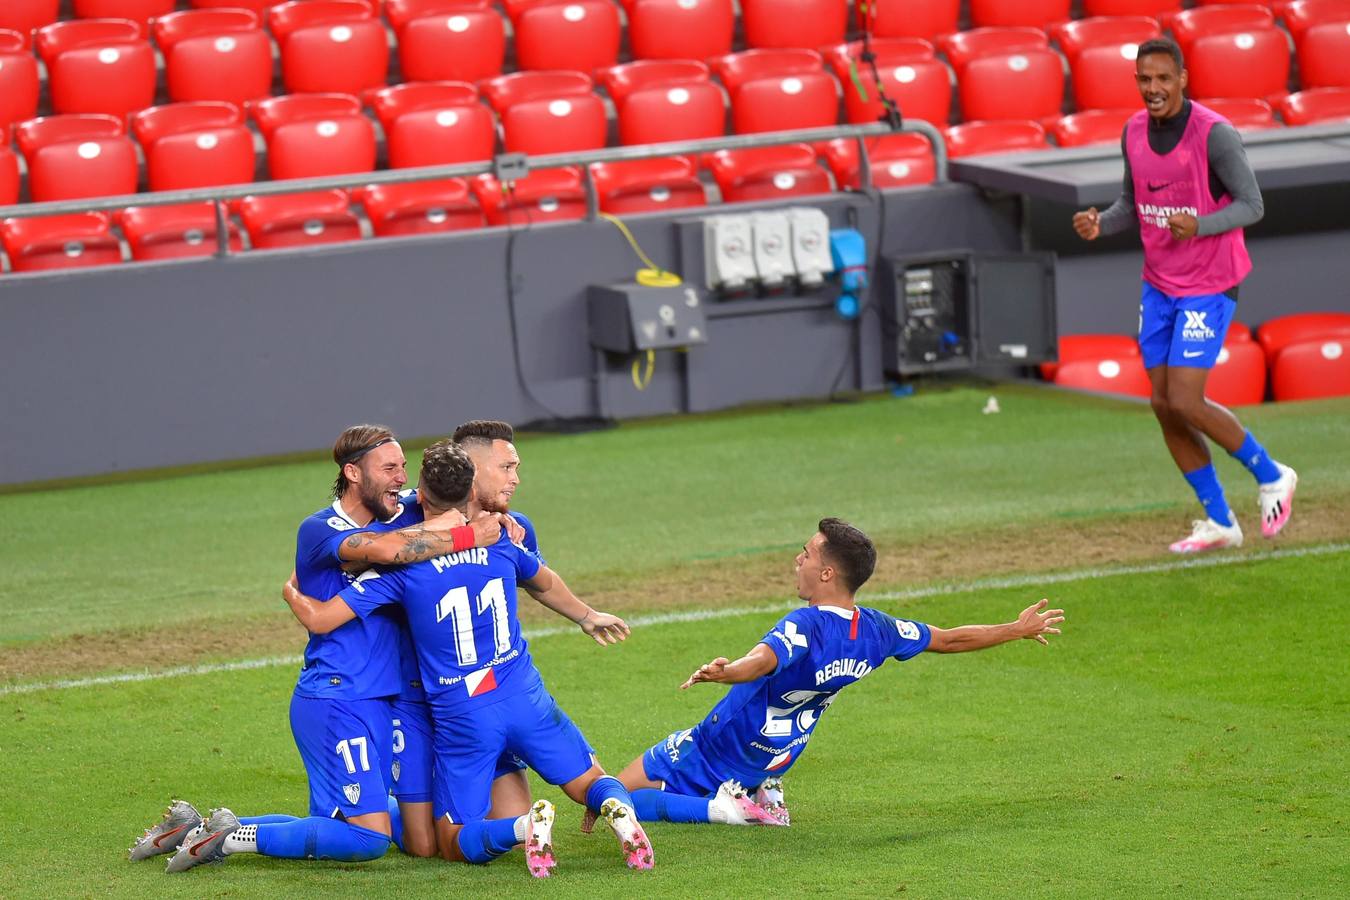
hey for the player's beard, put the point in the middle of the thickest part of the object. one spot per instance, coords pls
(376, 503)
(493, 503)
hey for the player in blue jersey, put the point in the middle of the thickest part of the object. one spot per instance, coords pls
(787, 681)
(486, 695)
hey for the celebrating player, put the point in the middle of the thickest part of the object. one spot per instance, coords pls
(1190, 187)
(786, 682)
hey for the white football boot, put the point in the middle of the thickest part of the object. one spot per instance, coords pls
(1206, 534)
(167, 835)
(637, 850)
(732, 806)
(1277, 501)
(769, 795)
(539, 858)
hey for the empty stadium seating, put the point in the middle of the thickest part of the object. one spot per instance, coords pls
(1324, 55)
(1246, 113)
(174, 232)
(215, 54)
(1078, 34)
(140, 11)
(1011, 136)
(911, 75)
(1024, 84)
(1037, 13)
(198, 144)
(1104, 77)
(1122, 375)
(71, 241)
(679, 111)
(434, 123)
(299, 220)
(19, 84)
(1300, 15)
(9, 176)
(1316, 105)
(962, 47)
(777, 90)
(1277, 334)
(77, 155)
(1154, 8)
(1074, 347)
(544, 195)
(448, 40)
(567, 34)
(794, 23)
(680, 29)
(25, 15)
(309, 135)
(928, 19)
(768, 173)
(1312, 370)
(1239, 375)
(1091, 126)
(896, 160)
(97, 66)
(1191, 24)
(547, 112)
(330, 45)
(1243, 64)
(421, 207)
(647, 185)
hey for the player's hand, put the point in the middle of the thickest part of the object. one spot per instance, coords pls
(604, 628)
(514, 530)
(1036, 621)
(1088, 224)
(711, 671)
(444, 522)
(1182, 225)
(487, 530)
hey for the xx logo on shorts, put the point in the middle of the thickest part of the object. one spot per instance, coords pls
(1195, 328)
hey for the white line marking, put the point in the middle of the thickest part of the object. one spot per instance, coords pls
(731, 612)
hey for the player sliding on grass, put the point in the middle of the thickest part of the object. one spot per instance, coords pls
(787, 681)
(485, 694)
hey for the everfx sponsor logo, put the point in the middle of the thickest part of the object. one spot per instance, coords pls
(1195, 327)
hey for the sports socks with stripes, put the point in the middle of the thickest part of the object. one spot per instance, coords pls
(606, 787)
(487, 839)
(652, 805)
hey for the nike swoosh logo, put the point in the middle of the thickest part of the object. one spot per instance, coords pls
(164, 837)
(1192, 354)
(1157, 187)
(193, 850)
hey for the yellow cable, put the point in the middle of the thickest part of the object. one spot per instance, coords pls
(653, 275)
(641, 382)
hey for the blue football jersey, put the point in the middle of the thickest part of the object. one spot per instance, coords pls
(760, 728)
(360, 660)
(461, 610)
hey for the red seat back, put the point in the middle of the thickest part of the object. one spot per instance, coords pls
(71, 241)
(1027, 84)
(422, 207)
(576, 34)
(768, 173)
(973, 138)
(931, 19)
(1036, 13)
(1103, 77)
(965, 46)
(794, 23)
(1076, 347)
(1246, 113)
(215, 54)
(1114, 375)
(1324, 55)
(544, 195)
(1312, 370)
(676, 113)
(1316, 105)
(175, 232)
(1239, 375)
(1243, 64)
(1093, 126)
(1276, 334)
(19, 82)
(647, 185)
(680, 29)
(297, 220)
(897, 160)
(622, 80)
(1078, 34)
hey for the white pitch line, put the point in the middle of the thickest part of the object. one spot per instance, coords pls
(701, 615)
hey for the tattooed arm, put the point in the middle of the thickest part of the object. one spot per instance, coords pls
(434, 537)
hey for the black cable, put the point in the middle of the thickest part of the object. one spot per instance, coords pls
(890, 111)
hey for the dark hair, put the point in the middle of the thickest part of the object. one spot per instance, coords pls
(483, 432)
(850, 551)
(1162, 45)
(354, 443)
(447, 474)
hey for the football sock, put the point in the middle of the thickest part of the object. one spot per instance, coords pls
(1257, 460)
(604, 788)
(396, 824)
(1205, 483)
(266, 820)
(316, 838)
(652, 805)
(487, 839)
(522, 828)
(244, 840)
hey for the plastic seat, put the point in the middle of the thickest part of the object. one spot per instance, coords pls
(1300, 15)
(141, 11)
(679, 112)
(548, 112)
(1075, 347)
(434, 123)
(929, 19)
(330, 45)
(257, 6)
(1036, 13)
(422, 207)
(680, 29)
(897, 160)
(1192, 24)
(175, 232)
(1154, 8)
(1104, 77)
(1076, 35)
(299, 220)
(794, 23)
(74, 241)
(568, 34)
(1246, 113)
(768, 173)
(964, 46)
(910, 73)
(310, 135)
(24, 16)
(215, 54)
(648, 185)
(9, 176)
(1123, 375)
(1331, 104)
(1312, 370)
(506, 91)
(1277, 334)
(1324, 55)
(448, 40)
(622, 80)
(1239, 375)
(1238, 333)
(98, 66)
(19, 83)
(544, 195)
(198, 144)
(1008, 136)
(76, 156)
(1244, 64)
(1092, 126)
(1027, 84)
(774, 90)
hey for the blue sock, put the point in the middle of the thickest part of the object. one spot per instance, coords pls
(653, 805)
(604, 788)
(485, 840)
(1205, 483)
(266, 820)
(316, 838)
(396, 823)
(1257, 460)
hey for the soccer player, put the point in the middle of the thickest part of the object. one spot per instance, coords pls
(486, 695)
(1189, 186)
(782, 687)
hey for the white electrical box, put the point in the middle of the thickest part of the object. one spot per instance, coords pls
(773, 247)
(810, 244)
(727, 252)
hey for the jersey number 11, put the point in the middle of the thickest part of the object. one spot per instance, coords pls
(455, 606)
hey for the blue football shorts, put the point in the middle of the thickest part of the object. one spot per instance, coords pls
(681, 766)
(414, 753)
(1182, 331)
(346, 746)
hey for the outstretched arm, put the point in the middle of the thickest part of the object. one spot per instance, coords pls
(437, 536)
(1034, 623)
(549, 589)
(759, 662)
(319, 616)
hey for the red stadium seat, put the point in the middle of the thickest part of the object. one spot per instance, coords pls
(257, 6)
(962, 47)
(1191, 24)
(191, 145)
(930, 19)
(1243, 64)
(544, 195)
(448, 40)
(1104, 77)
(1011, 136)
(310, 135)
(299, 220)
(215, 54)
(774, 90)
(567, 34)
(76, 156)
(648, 185)
(548, 112)
(19, 83)
(141, 11)
(794, 23)
(678, 112)
(98, 66)
(1331, 104)
(1123, 375)
(680, 29)
(1277, 334)
(1154, 8)
(506, 91)
(1324, 55)
(1239, 376)
(1026, 84)
(1300, 15)
(897, 160)
(422, 207)
(1075, 347)
(1246, 113)
(9, 176)
(621, 81)
(910, 73)
(1238, 333)
(737, 69)
(1092, 126)
(1312, 370)
(1036, 13)
(73, 241)
(330, 45)
(434, 123)
(768, 173)
(175, 232)
(1076, 35)
(24, 16)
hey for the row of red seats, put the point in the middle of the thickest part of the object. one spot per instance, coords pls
(1305, 356)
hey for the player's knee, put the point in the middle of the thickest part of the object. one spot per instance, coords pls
(1186, 404)
(364, 845)
(1161, 408)
(423, 845)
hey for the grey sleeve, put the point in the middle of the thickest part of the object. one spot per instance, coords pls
(1228, 161)
(1120, 215)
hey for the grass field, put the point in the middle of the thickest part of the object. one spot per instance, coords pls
(1188, 735)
